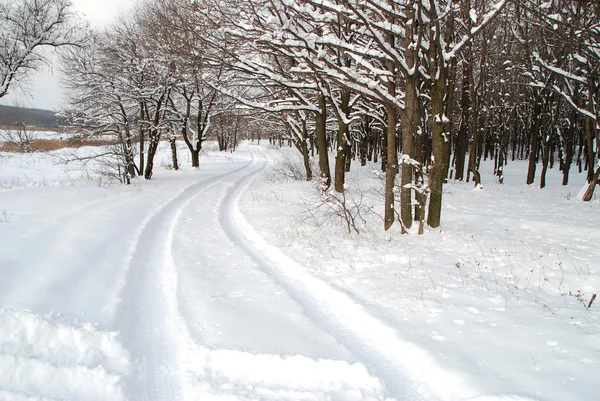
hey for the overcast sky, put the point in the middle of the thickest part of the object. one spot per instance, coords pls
(43, 90)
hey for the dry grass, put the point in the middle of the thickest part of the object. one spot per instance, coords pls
(46, 145)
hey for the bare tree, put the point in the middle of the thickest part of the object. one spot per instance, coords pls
(180, 32)
(103, 93)
(26, 26)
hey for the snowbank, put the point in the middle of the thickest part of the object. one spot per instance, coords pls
(43, 357)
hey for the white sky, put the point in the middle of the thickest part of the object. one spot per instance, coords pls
(43, 90)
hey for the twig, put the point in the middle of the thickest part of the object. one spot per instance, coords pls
(592, 301)
(532, 359)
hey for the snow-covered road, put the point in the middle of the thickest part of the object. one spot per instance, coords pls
(202, 284)
(205, 318)
(187, 303)
(202, 320)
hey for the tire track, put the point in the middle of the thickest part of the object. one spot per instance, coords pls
(404, 368)
(153, 329)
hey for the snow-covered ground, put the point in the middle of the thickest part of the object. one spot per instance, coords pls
(224, 283)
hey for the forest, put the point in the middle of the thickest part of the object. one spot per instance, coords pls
(426, 88)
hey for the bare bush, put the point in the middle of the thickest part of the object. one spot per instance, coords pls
(20, 138)
(5, 217)
(346, 207)
(289, 169)
(106, 163)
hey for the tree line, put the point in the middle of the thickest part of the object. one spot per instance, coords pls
(428, 88)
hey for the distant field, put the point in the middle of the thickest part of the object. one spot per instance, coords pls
(42, 140)
(45, 145)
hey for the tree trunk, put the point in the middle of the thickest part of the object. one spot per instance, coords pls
(391, 167)
(568, 147)
(342, 142)
(549, 144)
(142, 135)
(449, 112)
(438, 138)
(501, 160)
(173, 143)
(383, 149)
(580, 151)
(195, 152)
(545, 160)
(321, 129)
(420, 195)
(235, 133)
(537, 111)
(589, 193)
(154, 140)
(363, 146)
(129, 156)
(409, 117)
(305, 151)
(460, 150)
(440, 124)
(389, 159)
(476, 144)
(589, 147)
(349, 151)
(195, 157)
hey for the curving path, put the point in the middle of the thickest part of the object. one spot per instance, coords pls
(211, 311)
(199, 306)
